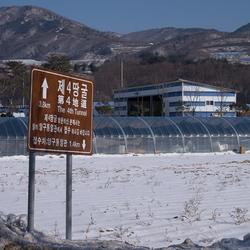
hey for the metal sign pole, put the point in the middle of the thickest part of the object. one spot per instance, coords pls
(69, 197)
(31, 195)
(70, 125)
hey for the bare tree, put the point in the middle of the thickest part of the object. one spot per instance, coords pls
(183, 109)
(193, 95)
(222, 97)
(161, 92)
(13, 85)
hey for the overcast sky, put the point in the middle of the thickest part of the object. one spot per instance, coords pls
(125, 16)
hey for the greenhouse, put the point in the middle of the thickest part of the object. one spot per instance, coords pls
(145, 135)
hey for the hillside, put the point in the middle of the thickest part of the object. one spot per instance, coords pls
(30, 32)
(197, 43)
(244, 30)
(163, 34)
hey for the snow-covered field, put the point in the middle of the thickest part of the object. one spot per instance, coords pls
(146, 200)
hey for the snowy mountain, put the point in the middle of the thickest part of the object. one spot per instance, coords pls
(30, 32)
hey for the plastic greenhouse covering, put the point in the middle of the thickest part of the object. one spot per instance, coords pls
(13, 136)
(145, 135)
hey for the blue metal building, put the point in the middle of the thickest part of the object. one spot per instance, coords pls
(176, 98)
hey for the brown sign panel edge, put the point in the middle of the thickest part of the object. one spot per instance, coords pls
(56, 151)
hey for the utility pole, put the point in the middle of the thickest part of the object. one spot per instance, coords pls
(23, 92)
(121, 86)
(121, 73)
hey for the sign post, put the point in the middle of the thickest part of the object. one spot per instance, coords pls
(60, 121)
(31, 194)
(69, 197)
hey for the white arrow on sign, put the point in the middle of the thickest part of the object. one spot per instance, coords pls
(45, 87)
(83, 144)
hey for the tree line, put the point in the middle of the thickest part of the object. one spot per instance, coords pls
(14, 86)
(157, 69)
(15, 80)
(145, 68)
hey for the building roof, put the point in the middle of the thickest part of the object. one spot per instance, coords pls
(181, 80)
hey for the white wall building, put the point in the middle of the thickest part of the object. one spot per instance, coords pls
(167, 99)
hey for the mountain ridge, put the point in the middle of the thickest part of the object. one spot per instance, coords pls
(30, 32)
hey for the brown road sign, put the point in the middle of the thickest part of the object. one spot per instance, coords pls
(60, 113)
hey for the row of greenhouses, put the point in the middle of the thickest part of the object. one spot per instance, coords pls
(145, 135)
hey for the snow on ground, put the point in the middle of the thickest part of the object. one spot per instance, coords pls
(145, 200)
